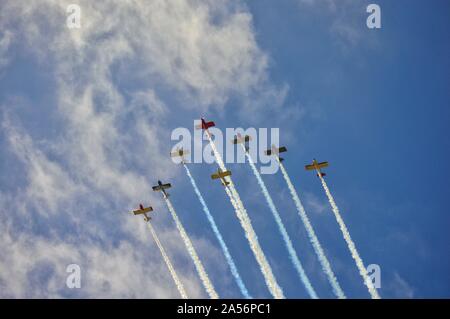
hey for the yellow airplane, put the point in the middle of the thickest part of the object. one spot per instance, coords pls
(222, 176)
(317, 166)
(179, 152)
(143, 211)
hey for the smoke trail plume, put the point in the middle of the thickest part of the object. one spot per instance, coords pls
(190, 248)
(250, 234)
(172, 271)
(287, 240)
(219, 237)
(326, 267)
(254, 246)
(351, 245)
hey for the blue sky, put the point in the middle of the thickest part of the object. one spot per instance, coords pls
(87, 115)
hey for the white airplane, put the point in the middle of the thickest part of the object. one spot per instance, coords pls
(180, 152)
(239, 139)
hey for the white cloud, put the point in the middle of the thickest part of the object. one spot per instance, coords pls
(36, 267)
(48, 185)
(5, 42)
(201, 52)
(205, 50)
(400, 287)
(316, 205)
(345, 18)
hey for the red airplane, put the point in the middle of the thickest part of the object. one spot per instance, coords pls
(205, 125)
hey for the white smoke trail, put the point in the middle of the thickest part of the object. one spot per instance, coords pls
(190, 248)
(326, 267)
(250, 234)
(219, 237)
(256, 249)
(172, 271)
(287, 240)
(351, 246)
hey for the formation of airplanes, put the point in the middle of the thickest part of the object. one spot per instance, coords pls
(238, 139)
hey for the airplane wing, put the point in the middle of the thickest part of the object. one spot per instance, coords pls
(318, 165)
(142, 211)
(282, 149)
(226, 173)
(241, 139)
(323, 164)
(220, 174)
(161, 187)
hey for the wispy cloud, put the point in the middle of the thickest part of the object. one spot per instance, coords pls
(109, 139)
(400, 288)
(5, 41)
(315, 204)
(346, 19)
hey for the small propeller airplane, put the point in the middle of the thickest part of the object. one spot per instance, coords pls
(143, 211)
(205, 125)
(221, 174)
(276, 151)
(180, 152)
(162, 187)
(317, 166)
(239, 139)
